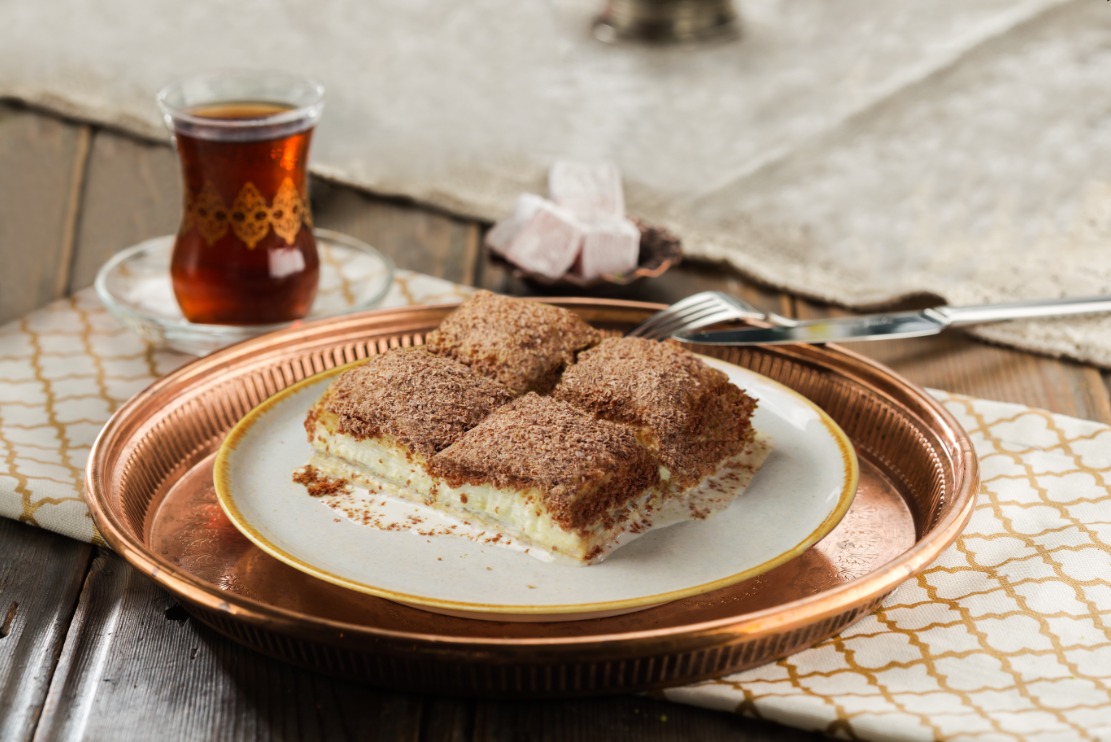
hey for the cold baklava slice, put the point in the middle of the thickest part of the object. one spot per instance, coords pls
(688, 413)
(381, 422)
(523, 345)
(550, 475)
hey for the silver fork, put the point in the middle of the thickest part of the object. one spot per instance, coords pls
(701, 310)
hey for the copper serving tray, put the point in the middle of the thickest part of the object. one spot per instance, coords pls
(149, 484)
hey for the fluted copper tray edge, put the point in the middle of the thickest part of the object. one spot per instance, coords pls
(855, 596)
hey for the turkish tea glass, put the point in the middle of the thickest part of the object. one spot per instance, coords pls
(245, 252)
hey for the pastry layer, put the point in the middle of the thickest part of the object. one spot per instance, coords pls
(537, 469)
(582, 471)
(522, 344)
(689, 413)
(422, 401)
(515, 513)
(384, 466)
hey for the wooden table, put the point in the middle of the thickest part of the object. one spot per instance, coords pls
(91, 649)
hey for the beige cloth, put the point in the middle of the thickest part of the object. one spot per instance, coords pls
(853, 151)
(1007, 636)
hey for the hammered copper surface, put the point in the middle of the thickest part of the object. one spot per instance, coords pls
(150, 488)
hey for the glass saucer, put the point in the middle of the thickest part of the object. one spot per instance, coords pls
(135, 286)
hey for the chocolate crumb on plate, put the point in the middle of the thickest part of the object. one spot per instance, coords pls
(319, 484)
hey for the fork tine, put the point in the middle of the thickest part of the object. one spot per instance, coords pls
(748, 311)
(664, 314)
(679, 322)
(691, 303)
(697, 311)
(713, 318)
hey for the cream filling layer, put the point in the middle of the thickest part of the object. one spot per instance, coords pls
(388, 468)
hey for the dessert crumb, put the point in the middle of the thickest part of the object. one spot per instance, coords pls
(319, 484)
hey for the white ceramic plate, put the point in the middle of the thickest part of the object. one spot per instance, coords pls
(802, 491)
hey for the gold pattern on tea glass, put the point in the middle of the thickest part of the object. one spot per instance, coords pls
(249, 216)
(286, 214)
(207, 213)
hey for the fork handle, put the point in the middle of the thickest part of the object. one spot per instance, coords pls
(1024, 310)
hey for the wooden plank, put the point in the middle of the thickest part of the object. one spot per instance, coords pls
(956, 362)
(42, 160)
(40, 578)
(415, 238)
(135, 667)
(132, 193)
(447, 719)
(623, 718)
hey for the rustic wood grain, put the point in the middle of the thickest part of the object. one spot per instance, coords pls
(43, 159)
(415, 238)
(132, 192)
(135, 667)
(641, 718)
(40, 578)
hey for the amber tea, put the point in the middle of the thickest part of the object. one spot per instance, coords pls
(245, 252)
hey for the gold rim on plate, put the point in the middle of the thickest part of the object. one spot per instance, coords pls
(226, 497)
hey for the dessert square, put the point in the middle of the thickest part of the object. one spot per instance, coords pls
(550, 475)
(383, 420)
(686, 411)
(523, 345)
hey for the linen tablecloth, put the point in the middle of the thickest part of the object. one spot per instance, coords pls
(1007, 636)
(852, 151)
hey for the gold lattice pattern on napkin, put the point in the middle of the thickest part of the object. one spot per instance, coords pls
(249, 216)
(1007, 636)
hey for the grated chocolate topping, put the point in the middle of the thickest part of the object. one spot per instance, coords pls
(689, 412)
(522, 344)
(422, 400)
(584, 468)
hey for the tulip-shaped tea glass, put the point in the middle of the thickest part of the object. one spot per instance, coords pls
(245, 252)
